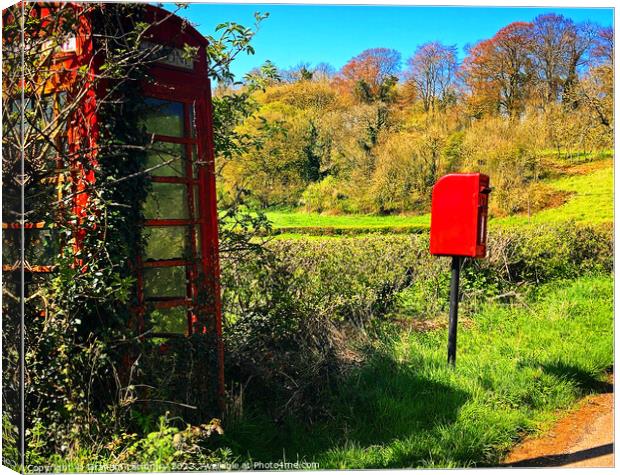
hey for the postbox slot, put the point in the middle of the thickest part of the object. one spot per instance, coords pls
(483, 199)
(482, 228)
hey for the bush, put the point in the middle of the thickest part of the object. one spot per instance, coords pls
(295, 312)
(358, 279)
(324, 195)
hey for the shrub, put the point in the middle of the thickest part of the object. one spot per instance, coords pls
(324, 195)
(296, 311)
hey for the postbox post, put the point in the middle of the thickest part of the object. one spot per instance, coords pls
(454, 309)
(458, 230)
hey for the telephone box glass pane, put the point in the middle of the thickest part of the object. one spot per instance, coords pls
(166, 201)
(169, 320)
(41, 246)
(164, 118)
(163, 152)
(164, 282)
(169, 242)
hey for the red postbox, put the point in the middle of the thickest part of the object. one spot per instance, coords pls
(459, 229)
(459, 215)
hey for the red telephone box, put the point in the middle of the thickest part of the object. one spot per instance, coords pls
(178, 273)
(459, 215)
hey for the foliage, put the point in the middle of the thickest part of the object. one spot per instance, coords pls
(431, 70)
(385, 136)
(168, 447)
(517, 366)
(579, 188)
(294, 311)
(271, 336)
(73, 316)
(358, 279)
(372, 74)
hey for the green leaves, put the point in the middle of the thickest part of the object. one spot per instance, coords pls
(233, 40)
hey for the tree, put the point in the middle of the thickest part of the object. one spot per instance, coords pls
(582, 39)
(603, 49)
(301, 72)
(372, 73)
(498, 71)
(552, 36)
(596, 89)
(432, 69)
(323, 72)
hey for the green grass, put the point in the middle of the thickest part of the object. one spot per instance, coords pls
(517, 366)
(592, 202)
(298, 219)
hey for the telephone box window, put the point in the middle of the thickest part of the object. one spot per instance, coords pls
(171, 234)
(165, 282)
(169, 320)
(166, 159)
(167, 201)
(167, 242)
(165, 118)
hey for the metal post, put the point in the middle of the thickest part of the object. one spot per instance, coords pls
(454, 309)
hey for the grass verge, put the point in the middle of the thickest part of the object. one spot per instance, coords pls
(288, 220)
(517, 366)
(592, 202)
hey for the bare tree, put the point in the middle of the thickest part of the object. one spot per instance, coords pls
(552, 36)
(432, 69)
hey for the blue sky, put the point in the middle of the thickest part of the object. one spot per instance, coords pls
(319, 33)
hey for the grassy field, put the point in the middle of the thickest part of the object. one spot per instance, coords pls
(517, 366)
(591, 201)
(290, 220)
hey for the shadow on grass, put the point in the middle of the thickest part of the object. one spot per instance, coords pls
(582, 379)
(387, 400)
(382, 401)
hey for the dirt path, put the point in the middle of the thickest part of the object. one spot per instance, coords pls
(583, 438)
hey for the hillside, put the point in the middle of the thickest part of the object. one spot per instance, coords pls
(588, 188)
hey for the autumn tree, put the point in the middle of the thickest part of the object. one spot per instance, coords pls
(372, 74)
(595, 91)
(603, 48)
(323, 71)
(431, 70)
(498, 71)
(582, 41)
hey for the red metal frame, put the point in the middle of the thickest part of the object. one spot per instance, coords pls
(193, 89)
